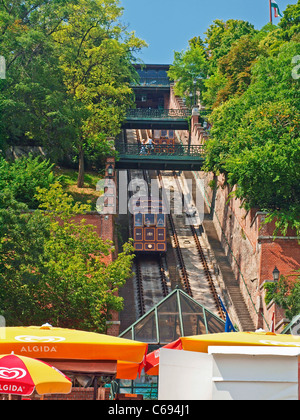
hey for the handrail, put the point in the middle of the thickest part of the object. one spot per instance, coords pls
(160, 114)
(160, 150)
(152, 81)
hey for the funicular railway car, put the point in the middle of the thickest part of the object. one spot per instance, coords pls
(164, 141)
(149, 226)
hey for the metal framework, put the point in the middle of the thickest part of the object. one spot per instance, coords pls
(177, 315)
(175, 157)
(169, 152)
(152, 82)
(157, 114)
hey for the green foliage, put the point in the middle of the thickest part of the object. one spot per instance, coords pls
(236, 68)
(189, 69)
(24, 176)
(255, 137)
(68, 75)
(54, 268)
(285, 293)
(221, 35)
(254, 99)
(35, 109)
(23, 236)
(290, 23)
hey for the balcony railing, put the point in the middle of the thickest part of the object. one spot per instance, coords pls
(157, 114)
(171, 151)
(153, 81)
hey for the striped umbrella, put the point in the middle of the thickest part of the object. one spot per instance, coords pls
(20, 375)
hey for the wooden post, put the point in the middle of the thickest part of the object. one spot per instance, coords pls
(95, 388)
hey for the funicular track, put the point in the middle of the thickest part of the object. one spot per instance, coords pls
(151, 282)
(198, 283)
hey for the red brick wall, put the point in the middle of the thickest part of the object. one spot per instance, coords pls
(76, 394)
(249, 243)
(252, 250)
(105, 228)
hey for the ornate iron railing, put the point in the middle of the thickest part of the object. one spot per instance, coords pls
(153, 81)
(157, 114)
(145, 151)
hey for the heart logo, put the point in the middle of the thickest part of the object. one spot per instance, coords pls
(12, 373)
(34, 339)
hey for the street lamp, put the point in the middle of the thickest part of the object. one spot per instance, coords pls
(276, 273)
(110, 170)
(195, 96)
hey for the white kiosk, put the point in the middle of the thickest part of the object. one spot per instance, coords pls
(229, 373)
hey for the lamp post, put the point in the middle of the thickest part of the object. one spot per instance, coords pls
(110, 171)
(195, 101)
(276, 274)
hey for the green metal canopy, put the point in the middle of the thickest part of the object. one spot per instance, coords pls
(177, 315)
(293, 327)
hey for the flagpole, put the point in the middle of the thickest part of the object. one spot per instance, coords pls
(271, 20)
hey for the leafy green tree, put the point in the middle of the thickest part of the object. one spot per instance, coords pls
(231, 48)
(24, 176)
(236, 68)
(255, 136)
(189, 69)
(23, 236)
(95, 54)
(34, 106)
(290, 23)
(54, 268)
(221, 35)
(265, 166)
(68, 75)
(286, 294)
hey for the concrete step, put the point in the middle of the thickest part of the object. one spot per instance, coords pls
(231, 284)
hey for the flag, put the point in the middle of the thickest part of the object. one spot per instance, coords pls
(272, 328)
(228, 324)
(276, 8)
(152, 359)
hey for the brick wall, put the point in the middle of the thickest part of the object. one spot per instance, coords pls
(198, 135)
(248, 243)
(104, 225)
(252, 250)
(81, 394)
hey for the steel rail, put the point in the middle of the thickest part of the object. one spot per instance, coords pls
(203, 260)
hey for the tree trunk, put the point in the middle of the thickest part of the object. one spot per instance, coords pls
(80, 179)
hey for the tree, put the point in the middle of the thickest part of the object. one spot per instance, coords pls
(236, 67)
(23, 235)
(285, 293)
(221, 35)
(255, 138)
(261, 157)
(34, 106)
(56, 269)
(68, 75)
(290, 23)
(189, 69)
(23, 176)
(95, 55)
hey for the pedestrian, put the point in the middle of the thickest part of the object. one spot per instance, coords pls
(150, 145)
(143, 148)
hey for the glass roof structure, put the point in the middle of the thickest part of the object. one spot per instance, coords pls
(294, 326)
(178, 315)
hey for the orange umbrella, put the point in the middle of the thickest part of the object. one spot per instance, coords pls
(200, 343)
(20, 375)
(152, 359)
(60, 344)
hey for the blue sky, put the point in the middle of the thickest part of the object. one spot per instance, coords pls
(167, 25)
